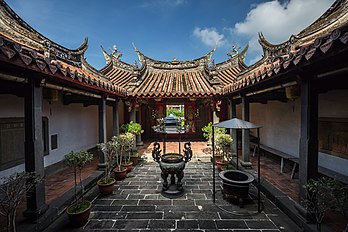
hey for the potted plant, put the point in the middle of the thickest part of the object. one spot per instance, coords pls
(135, 129)
(208, 130)
(223, 147)
(13, 190)
(79, 211)
(126, 142)
(119, 171)
(325, 194)
(134, 157)
(107, 183)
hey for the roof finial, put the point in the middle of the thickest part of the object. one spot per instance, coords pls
(135, 48)
(115, 53)
(135, 64)
(234, 51)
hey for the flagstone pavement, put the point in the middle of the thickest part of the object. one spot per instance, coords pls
(138, 205)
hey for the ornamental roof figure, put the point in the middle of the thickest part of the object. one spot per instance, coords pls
(234, 52)
(115, 53)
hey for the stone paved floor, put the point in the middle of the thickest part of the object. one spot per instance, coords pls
(137, 205)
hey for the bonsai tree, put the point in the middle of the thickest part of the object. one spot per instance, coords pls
(12, 192)
(77, 161)
(109, 151)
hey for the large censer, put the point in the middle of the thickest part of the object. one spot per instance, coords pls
(172, 164)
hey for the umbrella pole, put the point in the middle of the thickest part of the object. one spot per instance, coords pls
(258, 171)
(213, 150)
(237, 150)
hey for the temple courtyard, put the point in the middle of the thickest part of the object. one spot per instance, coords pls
(137, 205)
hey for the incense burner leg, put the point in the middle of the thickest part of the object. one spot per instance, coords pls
(165, 182)
(180, 175)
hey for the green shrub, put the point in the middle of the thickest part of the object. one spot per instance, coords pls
(223, 144)
(208, 129)
(175, 112)
(325, 194)
(132, 127)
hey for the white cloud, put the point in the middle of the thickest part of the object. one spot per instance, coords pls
(278, 21)
(209, 36)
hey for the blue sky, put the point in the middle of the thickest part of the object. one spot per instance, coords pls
(164, 29)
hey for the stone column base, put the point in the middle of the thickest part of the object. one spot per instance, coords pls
(101, 166)
(245, 164)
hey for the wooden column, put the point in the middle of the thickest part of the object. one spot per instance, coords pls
(245, 135)
(102, 130)
(138, 138)
(33, 145)
(115, 126)
(133, 115)
(308, 154)
(234, 131)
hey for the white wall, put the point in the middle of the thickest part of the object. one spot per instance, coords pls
(281, 125)
(75, 125)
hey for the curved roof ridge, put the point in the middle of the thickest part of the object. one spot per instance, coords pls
(331, 19)
(337, 10)
(40, 42)
(145, 60)
(236, 59)
(114, 59)
(89, 68)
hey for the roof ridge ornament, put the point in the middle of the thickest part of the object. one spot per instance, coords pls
(141, 56)
(234, 52)
(106, 55)
(116, 53)
(242, 54)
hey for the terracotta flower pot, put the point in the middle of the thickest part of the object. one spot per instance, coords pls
(106, 188)
(221, 164)
(128, 166)
(120, 174)
(134, 159)
(78, 219)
